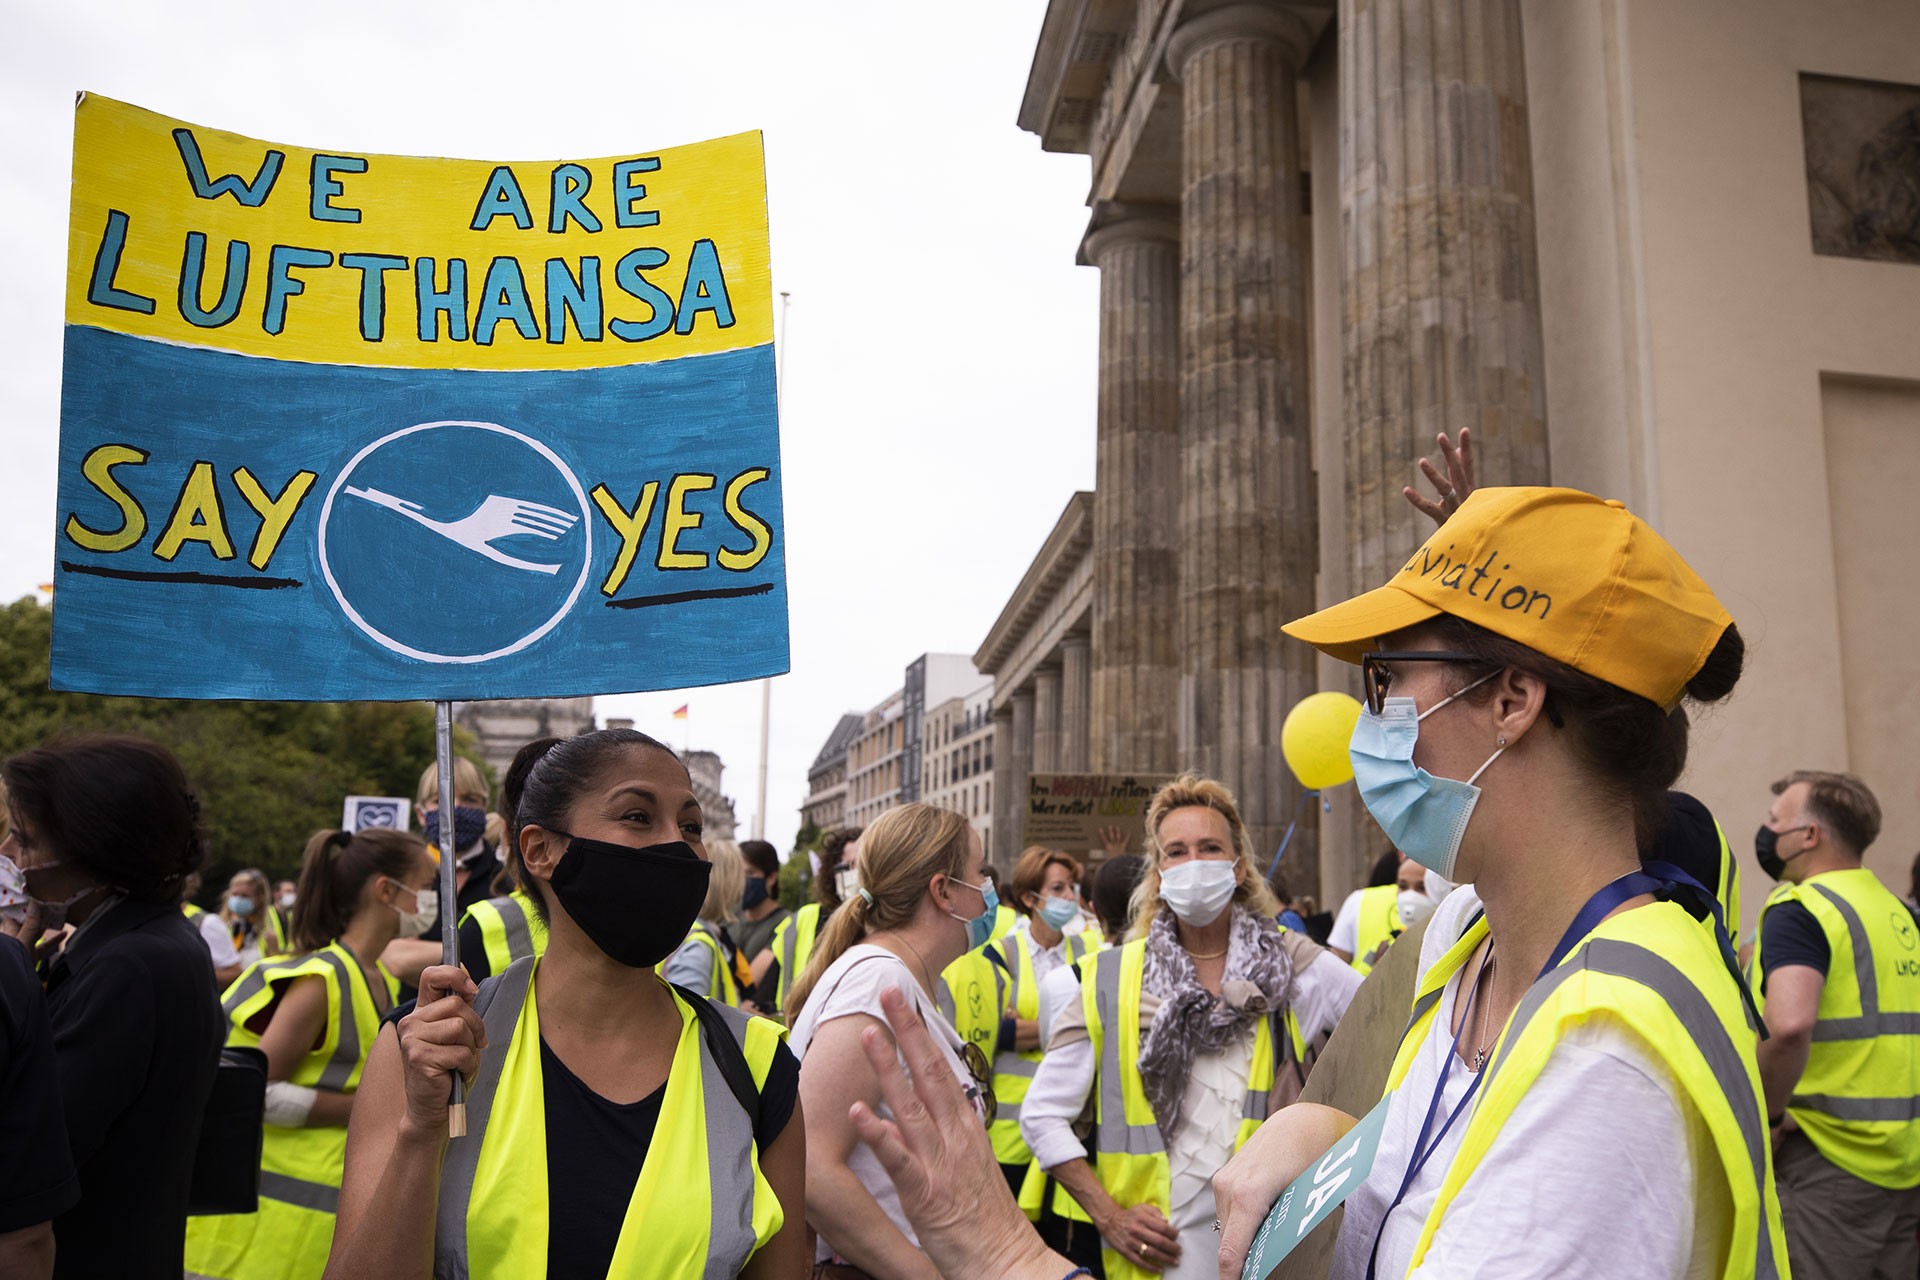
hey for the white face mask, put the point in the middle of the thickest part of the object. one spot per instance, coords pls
(286, 902)
(426, 906)
(1198, 890)
(1415, 906)
(1438, 887)
(846, 882)
(13, 891)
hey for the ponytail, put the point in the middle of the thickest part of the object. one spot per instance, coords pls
(335, 868)
(899, 856)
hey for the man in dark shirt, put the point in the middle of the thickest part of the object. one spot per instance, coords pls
(1839, 979)
(37, 1181)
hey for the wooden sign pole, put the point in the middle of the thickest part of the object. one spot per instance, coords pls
(449, 907)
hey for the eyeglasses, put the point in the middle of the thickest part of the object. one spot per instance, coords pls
(1376, 677)
(982, 1072)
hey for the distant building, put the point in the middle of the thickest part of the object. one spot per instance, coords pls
(502, 726)
(873, 762)
(931, 679)
(956, 761)
(826, 804)
(717, 807)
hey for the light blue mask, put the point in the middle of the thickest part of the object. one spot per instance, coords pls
(1424, 816)
(980, 927)
(1058, 912)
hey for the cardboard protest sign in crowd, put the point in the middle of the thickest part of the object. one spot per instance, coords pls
(340, 425)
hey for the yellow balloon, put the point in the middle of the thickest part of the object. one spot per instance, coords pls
(1315, 736)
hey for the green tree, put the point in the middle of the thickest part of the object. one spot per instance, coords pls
(268, 774)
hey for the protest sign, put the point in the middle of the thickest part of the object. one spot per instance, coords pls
(1315, 1194)
(1067, 811)
(337, 425)
(362, 813)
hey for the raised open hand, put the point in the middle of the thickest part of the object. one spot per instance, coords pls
(1453, 488)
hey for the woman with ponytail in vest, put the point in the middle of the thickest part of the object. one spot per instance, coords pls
(921, 903)
(1576, 1093)
(315, 1014)
(613, 1126)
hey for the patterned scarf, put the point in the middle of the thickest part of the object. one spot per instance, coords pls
(1190, 1021)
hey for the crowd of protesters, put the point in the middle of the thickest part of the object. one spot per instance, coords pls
(664, 1072)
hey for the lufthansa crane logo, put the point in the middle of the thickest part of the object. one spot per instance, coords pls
(1903, 929)
(455, 542)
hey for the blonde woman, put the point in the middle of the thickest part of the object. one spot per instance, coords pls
(922, 902)
(1195, 1027)
(704, 963)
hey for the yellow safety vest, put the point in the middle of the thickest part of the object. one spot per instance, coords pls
(192, 912)
(1131, 1158)
(291, 1233)
(1859, 1098)
(700, 1207)
(510, 929)
(1655, 970)
(1379, 922)
(1729, 885)
(793, 944)
(278, 919)
(1013, 1070)
(721, 984)
(973, 994)
(1005, 921)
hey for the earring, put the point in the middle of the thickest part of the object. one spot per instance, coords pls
(1503, 740)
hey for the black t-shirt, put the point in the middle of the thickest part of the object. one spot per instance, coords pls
(1790, 935)
(37, 1181)
(595, 1149)
(473, 951)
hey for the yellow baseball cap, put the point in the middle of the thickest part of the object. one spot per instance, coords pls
(1577, 578)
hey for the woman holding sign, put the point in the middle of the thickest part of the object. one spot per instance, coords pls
(1577, 1092)
(614, 1126)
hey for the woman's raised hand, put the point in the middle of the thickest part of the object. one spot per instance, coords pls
(441, 1036)
(1452, 489)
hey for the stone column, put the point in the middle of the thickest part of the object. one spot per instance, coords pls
(1440, 276)
(1021, 742)
(1136, 511)
(1075, 688)
(1249, 541)
(1005, 822)
(1046, 720)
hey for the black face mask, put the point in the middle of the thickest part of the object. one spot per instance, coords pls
(1766, 850)
(754, 894)
(636, 905)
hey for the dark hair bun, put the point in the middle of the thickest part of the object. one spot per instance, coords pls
(1721, 671)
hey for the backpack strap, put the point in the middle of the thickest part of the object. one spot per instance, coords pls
(728, 1054)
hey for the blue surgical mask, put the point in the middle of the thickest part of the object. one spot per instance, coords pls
(980, 927)
(239, 904)
(1058, 912)
(1424, 816)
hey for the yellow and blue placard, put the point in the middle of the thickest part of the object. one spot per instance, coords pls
(337, 425)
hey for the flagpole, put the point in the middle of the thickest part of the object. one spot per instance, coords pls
(766, 685)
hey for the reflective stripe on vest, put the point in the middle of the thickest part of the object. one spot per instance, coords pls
(1858, 1100)
(1131, 1157)
(510, 929)
(1639, 967)
(1378, 921)
(721, 986)
(480, 1192)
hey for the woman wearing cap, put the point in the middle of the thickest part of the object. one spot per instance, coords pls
(1525, 674)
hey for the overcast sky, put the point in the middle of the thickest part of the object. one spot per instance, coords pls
(939, 396)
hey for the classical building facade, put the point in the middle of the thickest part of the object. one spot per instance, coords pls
(826, 804)
(716, 806)
(956, 760)
(1654, 249)
(502, 726)
(873, 761)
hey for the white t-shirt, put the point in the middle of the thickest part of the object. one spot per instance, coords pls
(852, 984)
(1346, 925)
(213, 931)
(1592, 1174)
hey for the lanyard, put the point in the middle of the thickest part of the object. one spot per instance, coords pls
(1597, 908)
